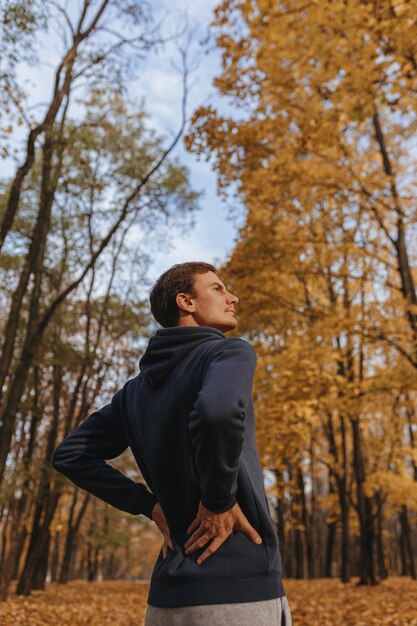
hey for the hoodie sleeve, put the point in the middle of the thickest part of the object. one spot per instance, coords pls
(82, 456)
(217, 422)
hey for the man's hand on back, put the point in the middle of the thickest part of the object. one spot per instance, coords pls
(159, 518)
(217, 527)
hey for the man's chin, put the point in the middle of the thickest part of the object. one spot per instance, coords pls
(230, 325)
(223, 326)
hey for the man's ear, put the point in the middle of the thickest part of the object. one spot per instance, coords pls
(183, 301)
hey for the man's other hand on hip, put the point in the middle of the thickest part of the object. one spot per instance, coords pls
(159, 518)
(217, 527)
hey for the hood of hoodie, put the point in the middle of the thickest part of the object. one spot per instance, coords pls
(169, 345)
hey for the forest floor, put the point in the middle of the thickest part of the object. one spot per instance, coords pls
(323, 602)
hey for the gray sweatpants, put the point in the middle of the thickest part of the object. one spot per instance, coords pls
(275, 612)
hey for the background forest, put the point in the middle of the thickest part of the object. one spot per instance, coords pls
(314, 137)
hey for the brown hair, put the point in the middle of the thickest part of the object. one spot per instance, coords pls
(179, 278)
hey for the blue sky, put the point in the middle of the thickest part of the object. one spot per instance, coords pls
(212, 237)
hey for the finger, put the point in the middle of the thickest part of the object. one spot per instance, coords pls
(215, 544)
(168, 540)
(164, 528)
(199, 543)
(193, 525)
(196, 534)
(164, 550)
(244, 525)
(252, 533)
(197, 539)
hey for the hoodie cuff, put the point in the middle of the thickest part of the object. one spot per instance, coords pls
(219, 506)
(147, 503)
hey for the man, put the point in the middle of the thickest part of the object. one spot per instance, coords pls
(188, 418)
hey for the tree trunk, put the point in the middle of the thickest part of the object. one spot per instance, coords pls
(382, 569)
(340, 459)
(407, 554)
(41, 572)
(19, 531)
(367, 538)
(306, 523)
(331, 535)
(281, 529)
(71, 535)
(400, 243)
(55, 557)
(345, 539)
(297, 534)
(46, 504)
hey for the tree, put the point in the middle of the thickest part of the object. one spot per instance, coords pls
(94, 182)
(86, 57)
(319, 149)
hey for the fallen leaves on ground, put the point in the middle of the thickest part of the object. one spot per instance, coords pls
(79, 603)
(322, 602)
(328, 602)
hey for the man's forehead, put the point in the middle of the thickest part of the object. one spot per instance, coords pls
(212, 279)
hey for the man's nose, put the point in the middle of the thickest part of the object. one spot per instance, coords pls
(233, 298)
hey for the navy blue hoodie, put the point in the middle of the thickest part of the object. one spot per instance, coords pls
(189, 420)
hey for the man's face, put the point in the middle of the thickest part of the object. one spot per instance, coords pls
(213, 306)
